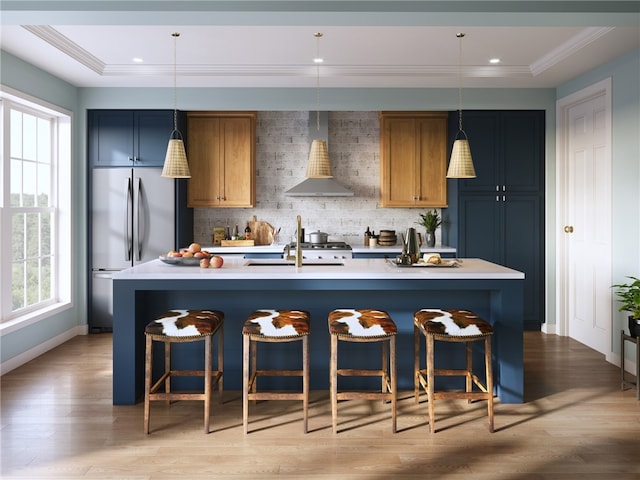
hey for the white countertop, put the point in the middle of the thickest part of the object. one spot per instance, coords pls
(365, 269)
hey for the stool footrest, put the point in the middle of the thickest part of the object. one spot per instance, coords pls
(364, 395)
(275, 396)
(351, 372)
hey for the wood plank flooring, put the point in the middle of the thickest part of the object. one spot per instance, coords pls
(57, 422)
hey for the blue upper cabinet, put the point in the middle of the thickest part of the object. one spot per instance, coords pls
(507, 150)
(125, 138)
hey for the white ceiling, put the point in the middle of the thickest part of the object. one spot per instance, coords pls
(407, 49)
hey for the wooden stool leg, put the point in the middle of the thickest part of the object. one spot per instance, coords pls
(416, 364)
(489, 375)
(469, 375)
(148, 369)
(394, 381)
(245, 382)
(208, 358)
(221, 363)
(167, 368)
(385, 368)
(430, 382)
(333, 380)
(305, 382)
(253, 351)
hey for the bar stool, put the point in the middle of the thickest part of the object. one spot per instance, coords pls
(354, 325)
(452, 326)
(274, 326)
(180, 326)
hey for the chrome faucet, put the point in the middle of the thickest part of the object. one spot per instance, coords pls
(298, 255)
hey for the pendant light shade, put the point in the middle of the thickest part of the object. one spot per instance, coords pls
(319, 165)
(175, 161)
(461, 163)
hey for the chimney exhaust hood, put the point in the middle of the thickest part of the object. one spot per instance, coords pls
(322, 185)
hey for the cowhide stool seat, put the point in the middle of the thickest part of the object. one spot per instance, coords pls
(179, 326)
(352, 325)
(452, 326)
(274, 326)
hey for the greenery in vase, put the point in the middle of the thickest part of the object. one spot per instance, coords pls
(629, 296)
(430, 220)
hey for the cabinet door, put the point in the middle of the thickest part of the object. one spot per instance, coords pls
(522, 155)
(523, 249)
(110, 138)
(413, 152)
(431, 164)
(204, 157)
(152, 130)
(221, 153)
(480, 228)
(237, 165)
(398, 162)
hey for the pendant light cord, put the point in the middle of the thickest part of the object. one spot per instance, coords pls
(460, 36)
(175, 81)
(318, 61)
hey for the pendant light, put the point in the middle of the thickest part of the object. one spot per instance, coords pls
(319, 181)
(175, 162)
(319, 165)
(461, 163)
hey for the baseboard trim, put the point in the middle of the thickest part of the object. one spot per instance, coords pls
(25, 357)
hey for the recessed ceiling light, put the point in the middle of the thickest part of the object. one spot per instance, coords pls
(318, 60)
(494, 60)
(137, 60)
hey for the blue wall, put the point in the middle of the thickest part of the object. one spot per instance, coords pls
(36, 83)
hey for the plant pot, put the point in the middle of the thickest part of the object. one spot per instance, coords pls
(430, 239)
(634, 326)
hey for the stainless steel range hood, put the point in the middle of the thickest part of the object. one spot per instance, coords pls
(319, 187)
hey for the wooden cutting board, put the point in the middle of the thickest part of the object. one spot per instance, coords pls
(261, 232)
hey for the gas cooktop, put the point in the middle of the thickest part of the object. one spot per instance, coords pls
(322, 246)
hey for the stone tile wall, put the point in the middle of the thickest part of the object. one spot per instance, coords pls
(282, 149)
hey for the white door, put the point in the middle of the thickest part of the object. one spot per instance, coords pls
(584, 195)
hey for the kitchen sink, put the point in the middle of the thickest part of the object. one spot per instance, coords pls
(275, 262)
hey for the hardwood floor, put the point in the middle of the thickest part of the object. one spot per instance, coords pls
(57, 421)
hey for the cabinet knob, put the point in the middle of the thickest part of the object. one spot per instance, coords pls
(568, 229)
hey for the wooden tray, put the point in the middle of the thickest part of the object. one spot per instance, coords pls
(237, 243)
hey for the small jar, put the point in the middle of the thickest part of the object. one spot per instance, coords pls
(373, 241)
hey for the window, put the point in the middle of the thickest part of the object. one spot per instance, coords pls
(35, 271)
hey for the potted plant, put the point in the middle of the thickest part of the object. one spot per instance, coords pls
(430, 220)
(629, 297)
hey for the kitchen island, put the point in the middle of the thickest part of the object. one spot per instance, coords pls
(143, 292)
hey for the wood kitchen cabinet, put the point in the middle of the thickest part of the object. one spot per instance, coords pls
(128, 138)
(221, 154)
(501, 211)
(413, 159)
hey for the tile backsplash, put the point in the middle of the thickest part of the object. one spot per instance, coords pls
(282, 148)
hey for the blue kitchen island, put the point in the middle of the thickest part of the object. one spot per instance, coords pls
(241, 286)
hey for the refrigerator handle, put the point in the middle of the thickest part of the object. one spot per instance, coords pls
(138, 214)
(128, 221)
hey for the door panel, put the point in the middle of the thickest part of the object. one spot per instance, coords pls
(588, 212)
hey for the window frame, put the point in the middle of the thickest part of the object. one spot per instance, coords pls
(61, 228)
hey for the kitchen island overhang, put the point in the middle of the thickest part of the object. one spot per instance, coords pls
(143, 292)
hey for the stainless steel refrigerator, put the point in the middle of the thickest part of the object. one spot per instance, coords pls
(133, 220)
